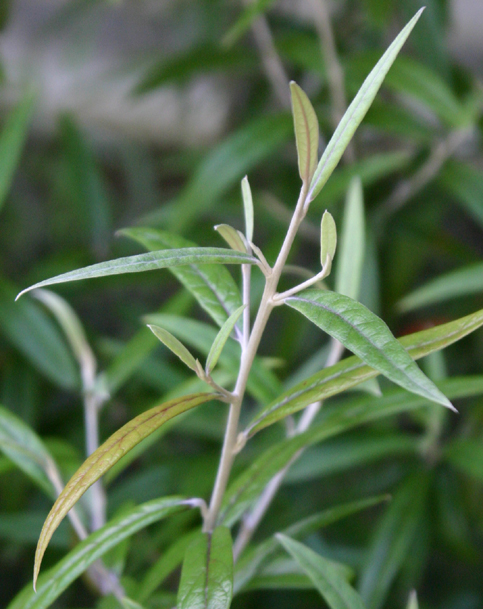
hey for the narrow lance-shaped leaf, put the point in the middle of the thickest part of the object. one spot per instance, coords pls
(352, 371)
(306, 128)
(52, 583)
(174, 345)
(325, 576)
(248, 208)
(207, 572)
(366, 335)
(328, 238)
(351, 246)
(232, 237)
(356, 112)
(106, 456)
(413, 600)
(221, 339)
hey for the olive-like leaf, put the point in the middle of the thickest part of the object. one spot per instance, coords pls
(106, 456)
(232, 237)
(248, 208)
(352, 371)
(335, 590)
(356, 112)
(174, 345)
(413, 600)
(221, 338)
(149, 262)
(328, 238)
(212, 285)
(351, 246)
(306, 128)
(51, 584)
(366, 335)
(207, 572)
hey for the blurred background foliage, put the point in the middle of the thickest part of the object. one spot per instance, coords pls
(150, 112)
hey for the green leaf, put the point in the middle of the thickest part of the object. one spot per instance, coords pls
(106, 456)
(207, 573)
(351, 248)
(464, 182)
(22, 446)
(352, 371)
(51, 584)
(12, 140)
(252, 560)
(31, 330)
(393, 538)
(335, 590)
(328, 238)
(248, 208)
(174, 345)
(462, 282)
(366, 335)
(211, 285)
(413, 600)
(466, 455)
(221, 338)
(150, 262)
(245, 20)
(232, 237)
(356, 112)
(306, 128)
(347, 415)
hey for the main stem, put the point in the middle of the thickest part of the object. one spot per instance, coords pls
(247, 356)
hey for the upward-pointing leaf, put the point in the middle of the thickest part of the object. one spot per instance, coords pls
(248, 208)
(106, 456)
(366, 335)
(306, 132)
(207, 573)
(150, 262)
(221, 339)
(328, 238)
(174, 345)
(356, 112)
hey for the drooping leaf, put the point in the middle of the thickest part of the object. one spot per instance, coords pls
(150, 262)
(306, 128)
(462, 282)
(366, 335)
(51, 584)
(22, 446)
(207, 572)
(247, 208)
(356, 112)
(221, 338)
(352, 371)
(335, 590)
(174, 345)
(12, 139)
(232, 237)
(351, 247)
(212, 285)
(328, 238)
(106, 456)
(245, 489)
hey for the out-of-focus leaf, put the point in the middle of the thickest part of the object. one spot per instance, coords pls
(207, 573)
(232, 237)
(106, 456)
(23, 528)
(328, 238)
(393, 539)
(248, 208)
(352, 371)
(22, 446)
(466, 455)
(245, 20)
(247, 487)
(465, 182)
(462, 282)
(306, 128)
(28, 327)
(221, 338)
(335, 590)
(12, 139)
(356, 112)
(149, 262)
(366, 335)
(351, 248)
(251, 561)
(174, 345)
(212, 286)
(51, 584)
(413, 600)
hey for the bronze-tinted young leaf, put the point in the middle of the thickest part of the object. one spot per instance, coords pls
(328, 238)
(174, 345)
(106, 456)
(150, 262)
(207, 573)
(306, 132)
